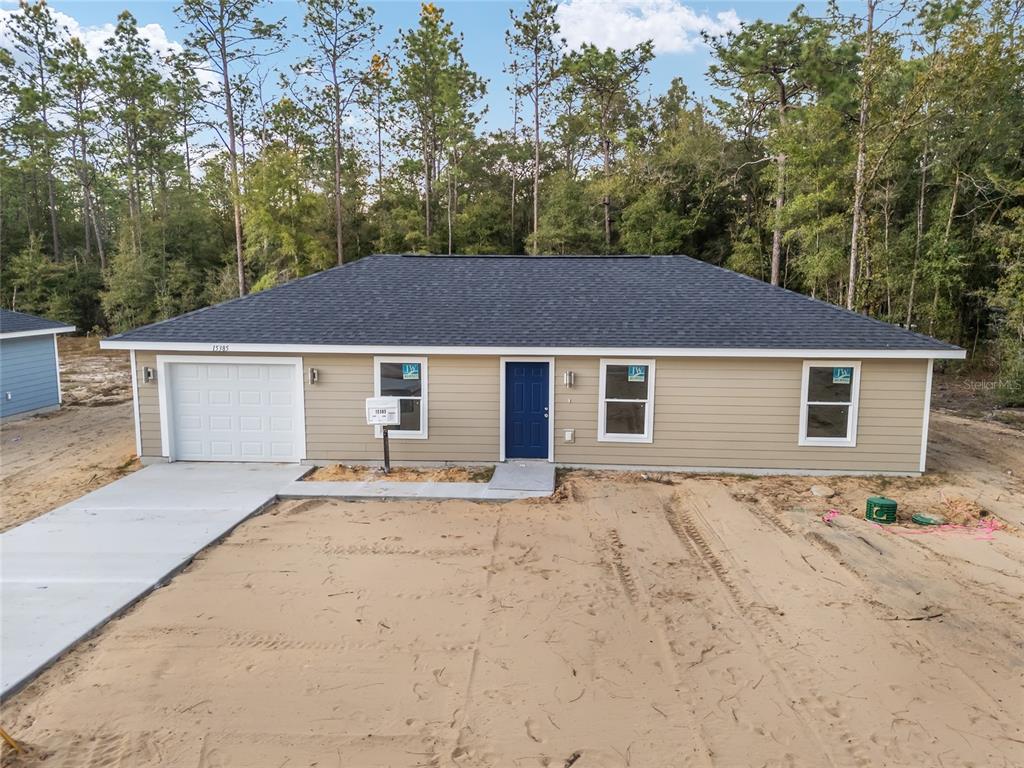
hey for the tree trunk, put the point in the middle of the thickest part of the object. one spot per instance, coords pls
(780, 201)
(780, 190)
(945, 243)
(606, 201)
(451, 202)
(380, 142)
(236, 202)
(427, 191)
(918, 235)
(858, 184)
(337, 165)
(536, 151)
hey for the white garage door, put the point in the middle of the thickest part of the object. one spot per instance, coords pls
(234, 412)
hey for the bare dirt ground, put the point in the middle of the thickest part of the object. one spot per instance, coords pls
(668, 621)
(453, 474)
(53, 458)
(632, 620)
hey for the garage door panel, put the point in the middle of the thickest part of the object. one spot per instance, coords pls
(191, 422)
(218, 397)
(250, 423)
(220, 424)
(279, 373)
(251, 372)
(254, 450)
(219, 372)
(281, 398)
(234, 412)
(250, 397)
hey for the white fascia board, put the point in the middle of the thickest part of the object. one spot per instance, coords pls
(380, 349)
(37, 332)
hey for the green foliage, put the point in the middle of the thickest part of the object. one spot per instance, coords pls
(129, 299)
(114, 213)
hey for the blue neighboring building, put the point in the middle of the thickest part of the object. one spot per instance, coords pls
(29, 365)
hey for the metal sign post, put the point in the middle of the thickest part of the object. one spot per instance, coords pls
(384, 412)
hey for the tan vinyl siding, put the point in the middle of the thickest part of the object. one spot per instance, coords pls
(462, 410)
(149, 406)
(708, 412)
(745, 413)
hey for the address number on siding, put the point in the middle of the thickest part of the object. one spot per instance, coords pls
(220, 347)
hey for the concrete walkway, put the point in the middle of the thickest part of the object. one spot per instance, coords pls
(67, 572)
(385, 489)
(523, 475)
(511, 480)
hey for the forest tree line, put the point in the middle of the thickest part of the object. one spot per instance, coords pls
(873, 160)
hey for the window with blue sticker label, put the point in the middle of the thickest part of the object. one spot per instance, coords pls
(404, 380)
(829, 408)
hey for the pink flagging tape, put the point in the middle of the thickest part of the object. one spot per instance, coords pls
(985, 529)
(831, 515)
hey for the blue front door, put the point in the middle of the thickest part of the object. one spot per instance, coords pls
(526, 410)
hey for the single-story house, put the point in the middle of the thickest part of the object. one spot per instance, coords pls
(628, 361)
(29, 363)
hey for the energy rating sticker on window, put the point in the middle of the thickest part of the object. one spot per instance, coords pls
(828, 413)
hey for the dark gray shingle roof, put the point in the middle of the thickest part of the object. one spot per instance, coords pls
(656, 301)
(18, 322)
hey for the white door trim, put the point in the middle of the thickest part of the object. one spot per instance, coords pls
(551, 402)
(163, 361)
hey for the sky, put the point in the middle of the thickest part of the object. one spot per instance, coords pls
(674, 26)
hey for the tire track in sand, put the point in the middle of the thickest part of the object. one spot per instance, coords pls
(785, 665)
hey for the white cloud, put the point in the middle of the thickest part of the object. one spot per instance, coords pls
(672, 26)
(93, 38)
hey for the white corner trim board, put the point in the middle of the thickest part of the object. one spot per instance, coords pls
(927, 413)
(56, 364)
(136, 414)
(383, 349)
(39, 332)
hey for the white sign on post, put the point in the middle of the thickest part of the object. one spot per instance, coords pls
(383, 412)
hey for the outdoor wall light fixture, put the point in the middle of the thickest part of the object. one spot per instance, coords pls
(148, 375)
(314, 375)
(569, 377)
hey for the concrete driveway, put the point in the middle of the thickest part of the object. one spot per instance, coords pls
(69, 571)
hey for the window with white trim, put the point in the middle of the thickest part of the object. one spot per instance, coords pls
(626, 404)
(406, 379)
(828, 403)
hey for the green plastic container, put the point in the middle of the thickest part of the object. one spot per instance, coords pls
(881, 510)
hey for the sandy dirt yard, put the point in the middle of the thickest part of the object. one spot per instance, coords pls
(667, 621)
(53, 458)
